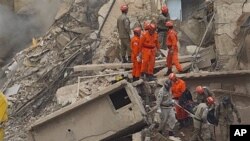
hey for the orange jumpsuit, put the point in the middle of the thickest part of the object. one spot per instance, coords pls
(135, 48)
(171, 42)
(178, 88)
(148, 44)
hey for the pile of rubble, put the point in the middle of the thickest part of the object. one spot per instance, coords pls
(35, 74)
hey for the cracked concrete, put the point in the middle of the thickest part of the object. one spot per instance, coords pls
(227, 14)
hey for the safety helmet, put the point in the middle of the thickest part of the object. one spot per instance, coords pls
(152, 27)
(146, 25)
(210, 100)
(164, 9)
(169, 24)
(124, 8)
(172, 76)
(199, 89)
(137, 30)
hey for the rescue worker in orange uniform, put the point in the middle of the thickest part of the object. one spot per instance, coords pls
(135, 54)
(171, 43)
(178, 88)
(149, 45)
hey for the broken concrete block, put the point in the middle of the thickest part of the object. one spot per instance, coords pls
(191, 49)
(81, 30)
(67, 94)
(63, 39)
(108, 115)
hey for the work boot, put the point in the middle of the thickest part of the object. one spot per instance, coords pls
(129, 59)
(124, 60)
(168, 72)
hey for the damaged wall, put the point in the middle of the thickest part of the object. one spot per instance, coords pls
(228, 12)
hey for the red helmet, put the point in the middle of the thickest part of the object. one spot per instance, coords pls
(172, 76)
(152, 27)
(169, 24)
(164, 9)
(146, 25)
(199, 89)
(137, 30)
(124, 8)
(210, 100)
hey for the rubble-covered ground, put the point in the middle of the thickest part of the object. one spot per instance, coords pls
(42, 74)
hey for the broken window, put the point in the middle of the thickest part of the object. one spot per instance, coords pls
(120, 98)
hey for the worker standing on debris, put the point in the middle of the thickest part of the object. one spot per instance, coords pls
(3, 114)
(149, 45)
(224, 113)
(202, 130)
(171, 42)
(136, 54)
(123, 25)
(202, 94)
(162, 29)
(165, 106)
(178, 88)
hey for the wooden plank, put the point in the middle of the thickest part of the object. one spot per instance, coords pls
(158, 63)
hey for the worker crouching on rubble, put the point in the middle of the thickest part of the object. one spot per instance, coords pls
(178, 88)
(3, 114)
(224, 113)
(202, 128)
(165, 106)
(136, 54)
(202, 94)
(149, 45)
(171, 42)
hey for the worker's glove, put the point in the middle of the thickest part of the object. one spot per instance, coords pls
(138, 58)
(239, 120)
(172, 102)
(158, 110)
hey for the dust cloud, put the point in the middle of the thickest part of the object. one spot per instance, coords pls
(17, 29)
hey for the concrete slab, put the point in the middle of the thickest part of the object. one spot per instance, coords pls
(114, 112)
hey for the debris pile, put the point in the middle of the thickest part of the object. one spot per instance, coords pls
(46, 65)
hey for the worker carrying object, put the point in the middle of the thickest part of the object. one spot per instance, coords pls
(3, 114)
(136, 56)
(162, 28)
(203, 130)
(203, 93)
(123, 25)
(149, 45)
(171, 42)
(178, 88)
(165, 106)
(224, 113)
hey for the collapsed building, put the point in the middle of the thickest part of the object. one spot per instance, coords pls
(84, 32)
